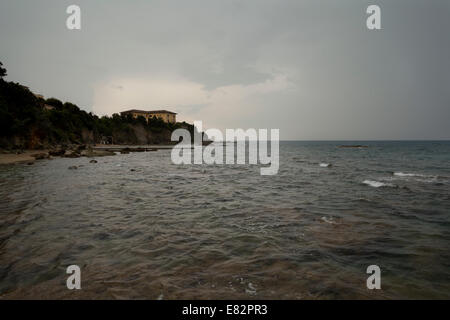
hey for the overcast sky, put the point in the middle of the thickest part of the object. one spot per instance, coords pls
(310, 68)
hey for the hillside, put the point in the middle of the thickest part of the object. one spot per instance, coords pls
(31, 122)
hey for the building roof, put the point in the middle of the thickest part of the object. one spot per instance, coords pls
(147, 112)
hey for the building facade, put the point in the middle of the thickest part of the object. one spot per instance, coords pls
(167, 116)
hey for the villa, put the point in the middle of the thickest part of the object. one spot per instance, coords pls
(167, 116)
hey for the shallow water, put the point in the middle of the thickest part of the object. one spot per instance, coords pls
(166, 231)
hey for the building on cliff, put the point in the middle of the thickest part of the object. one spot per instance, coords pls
(167, 116)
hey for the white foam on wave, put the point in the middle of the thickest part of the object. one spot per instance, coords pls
(377, 184)
(328, 220)
(325, 165)
(402, 174)
(416, 176)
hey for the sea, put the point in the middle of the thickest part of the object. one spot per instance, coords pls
(140, 227)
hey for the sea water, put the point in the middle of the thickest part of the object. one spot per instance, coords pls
(166, 231)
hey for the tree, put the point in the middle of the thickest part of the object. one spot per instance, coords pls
(2, 71)
(55, 103)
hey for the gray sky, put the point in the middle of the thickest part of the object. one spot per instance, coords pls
(310, 68)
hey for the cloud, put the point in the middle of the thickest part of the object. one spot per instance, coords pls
(216, 108)
(310, 68)
(146, 93)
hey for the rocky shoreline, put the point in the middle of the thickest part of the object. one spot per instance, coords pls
(75, 151)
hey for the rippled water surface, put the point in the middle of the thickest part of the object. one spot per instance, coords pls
(165, 231)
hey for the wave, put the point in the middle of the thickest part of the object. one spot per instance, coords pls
(325, 165)
(378, 184)
(327, 220)
(418, 177)
(402, 174)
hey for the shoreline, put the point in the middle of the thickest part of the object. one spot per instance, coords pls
(30, 156)
(27, 156)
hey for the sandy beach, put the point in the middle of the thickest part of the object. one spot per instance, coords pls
(28, 156)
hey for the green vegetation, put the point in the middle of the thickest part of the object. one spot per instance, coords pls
(26, 121)
(2, 71)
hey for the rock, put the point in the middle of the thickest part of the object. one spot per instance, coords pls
(30, 163)
(73, 168)
(97, 153)
(103, 153)
(132, 170)
(353, 146)
(72, 154)
(124, 152)
(40, 156)
(57, 152)
(81, 147)
(93, 161)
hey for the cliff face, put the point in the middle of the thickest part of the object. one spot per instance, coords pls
(139, 134)
(26, 122)
(36, 138)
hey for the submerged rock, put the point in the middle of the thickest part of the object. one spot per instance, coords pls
(353, 146)
(73, 167)
(93, 161)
